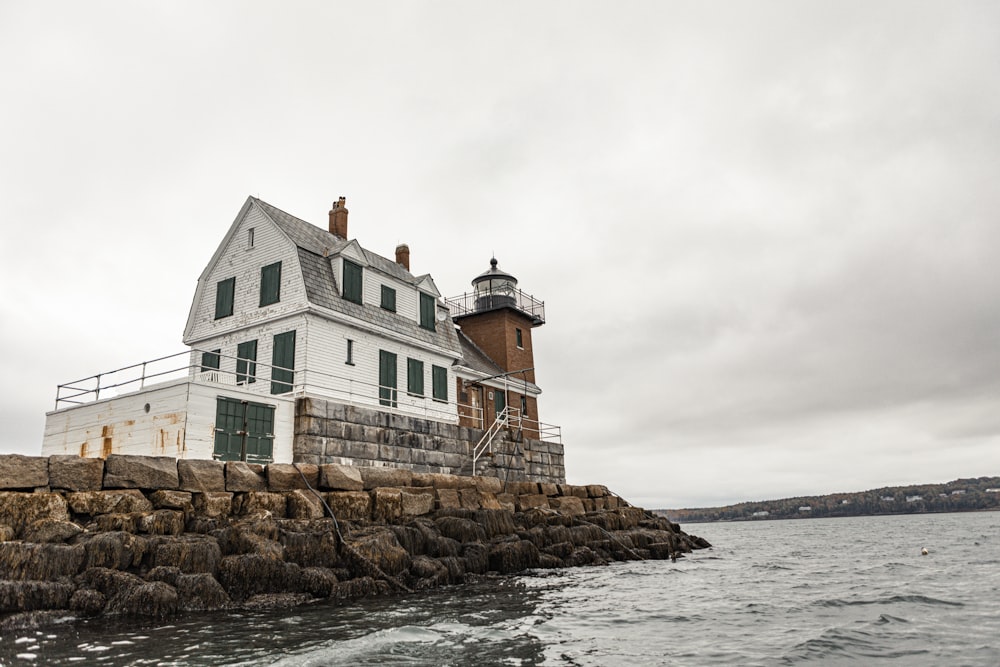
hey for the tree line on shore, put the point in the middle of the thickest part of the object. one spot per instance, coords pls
(960, 495)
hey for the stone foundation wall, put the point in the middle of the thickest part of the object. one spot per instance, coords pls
(330, 432)
(155, 536)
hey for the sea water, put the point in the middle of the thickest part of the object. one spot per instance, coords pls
(808, 591)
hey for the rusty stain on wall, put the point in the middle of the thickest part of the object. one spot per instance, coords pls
(107, 442)
(83, 449)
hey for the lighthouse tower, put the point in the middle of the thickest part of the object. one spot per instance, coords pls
(499, 318)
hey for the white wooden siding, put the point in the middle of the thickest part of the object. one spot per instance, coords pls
(244, 263)
(328, 374)
(121, 425)
(264, 334)
(180, 423)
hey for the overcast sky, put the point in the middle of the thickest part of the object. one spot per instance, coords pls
(766, 233)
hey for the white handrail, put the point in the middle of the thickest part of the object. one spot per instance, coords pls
(506, 416)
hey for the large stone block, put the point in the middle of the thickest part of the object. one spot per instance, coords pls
(304, 505)
(213, 504)
(425, 457)
(23, 472)
(393, 454)
(353, 450)
(336, 411)
(75, 473)
(523, 488)
(568, 505)
(549, 489)
(201, 475)
(350, 505)
(597, 490)
(171, 500)
(528, 500)
(488, 484)
(126, 471)
(22, 561)
(288, 476)
(308, 445)
(310, 425)
(374, 477)
(340, 478)
(448, 499)
(507, 501)
(261, 502)
(387, 504)
(422, 479)
(18, 510)
(51, 530)
(417, 501)
(469, 499)
(243, 477)
(93, 503)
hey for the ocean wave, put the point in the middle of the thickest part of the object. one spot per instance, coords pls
(892, 599)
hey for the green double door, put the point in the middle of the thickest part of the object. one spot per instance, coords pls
(244, 431)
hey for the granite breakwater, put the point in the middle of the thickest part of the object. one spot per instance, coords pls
(156, 536)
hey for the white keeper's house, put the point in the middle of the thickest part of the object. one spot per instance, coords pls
(305, 347)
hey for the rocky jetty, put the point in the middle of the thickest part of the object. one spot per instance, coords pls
(155, 536)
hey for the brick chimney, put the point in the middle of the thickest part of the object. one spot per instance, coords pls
(403, 256)
(338, 218)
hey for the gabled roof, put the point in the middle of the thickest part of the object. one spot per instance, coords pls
(316, 247)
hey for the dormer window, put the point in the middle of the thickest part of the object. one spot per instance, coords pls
(427, 308)
(353, 277)
(388, 298)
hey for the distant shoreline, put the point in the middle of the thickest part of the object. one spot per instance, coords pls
(665, 514)
(960, 495)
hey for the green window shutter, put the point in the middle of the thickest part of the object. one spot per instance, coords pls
(499, 400)
(210, 361)
(415, 377)
(270, 284)
(387, 378)
(260, 432)
(283, 363)
(439, 380)
(246, 362)
(353, 277)
(225, 290)
(388, 298)
(427, 311)
(228, 425)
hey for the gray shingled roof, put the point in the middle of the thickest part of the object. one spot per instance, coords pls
(316, 247)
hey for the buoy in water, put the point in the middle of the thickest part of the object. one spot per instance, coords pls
(924, 551)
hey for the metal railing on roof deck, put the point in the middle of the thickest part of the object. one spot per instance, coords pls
(326, 385)
(470, 303)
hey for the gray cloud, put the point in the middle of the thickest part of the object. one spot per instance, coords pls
(764, 233)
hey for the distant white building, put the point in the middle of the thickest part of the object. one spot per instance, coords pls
(913, 499)
(805, 508)
(761, 513)
(888, 499)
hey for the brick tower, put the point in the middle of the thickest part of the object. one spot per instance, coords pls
(499, 318)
